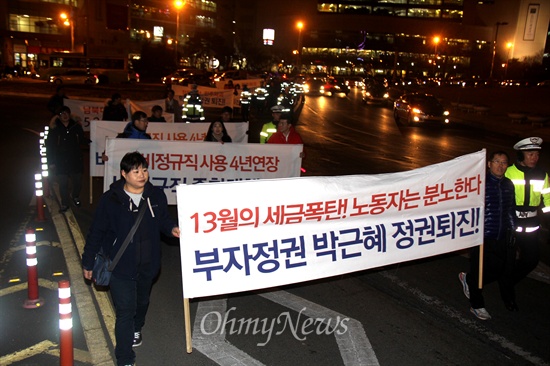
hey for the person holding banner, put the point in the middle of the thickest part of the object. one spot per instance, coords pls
(498, 237)
(63, 149)
(227, 113)
(156, 114)
(137, 127)
(286, 134)
(115, 109)
(217, 133)
(532, 195)
(132, 278)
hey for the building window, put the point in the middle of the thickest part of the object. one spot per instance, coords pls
(204, 5)
(448, 9)
(151, 13)
(63, 2)
(205, 22)
(424, 13)
(327, 8)
(425, 2)
(34, 24)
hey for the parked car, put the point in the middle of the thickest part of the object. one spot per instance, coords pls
(420, 108)
(314, 87)
(186, 76)
(74, 77)
(376, 93)
(336, 85)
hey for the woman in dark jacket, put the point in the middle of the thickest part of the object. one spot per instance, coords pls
(132, 278)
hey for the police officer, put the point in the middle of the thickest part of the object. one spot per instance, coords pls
(245, 100)
(192, 110)
(532, 192)
(270, 127)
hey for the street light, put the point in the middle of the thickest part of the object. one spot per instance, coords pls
(178, 4)
(436, 42)
(299, 25)
(69, 21)
(509, 46)
(498, 24)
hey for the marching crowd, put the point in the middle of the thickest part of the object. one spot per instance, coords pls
(516, 198)
(131, 215)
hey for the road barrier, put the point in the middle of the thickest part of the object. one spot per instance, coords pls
(66, 351)
(39, 197)
(33, 301)
(44, 162)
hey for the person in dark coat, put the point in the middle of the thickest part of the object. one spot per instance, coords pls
(132, 278)
(56, 101)
(499, 226)
(156, 114)
(63, 151)
(115, 109)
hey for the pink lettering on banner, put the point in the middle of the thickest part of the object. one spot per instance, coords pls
(337, 209)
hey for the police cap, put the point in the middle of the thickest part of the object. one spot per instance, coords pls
(277, 109)
(530, 143)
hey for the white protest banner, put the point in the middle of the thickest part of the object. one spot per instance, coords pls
(100, 130)
(147, 106)
(85, 111)
(268, 233)
(211, 97)
(172, 163)
(250, 83)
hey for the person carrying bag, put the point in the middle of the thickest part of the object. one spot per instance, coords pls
(134, 209)
(103, 266)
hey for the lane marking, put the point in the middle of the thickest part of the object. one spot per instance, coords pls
(354, 346)
(471, 323)
(213, 344)
(66, 225)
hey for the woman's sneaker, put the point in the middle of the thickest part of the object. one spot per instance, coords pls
(480, 313)
(137, 339)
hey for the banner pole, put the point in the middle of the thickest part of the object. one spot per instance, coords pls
(91, 188)
(480, 277)
(187, 318)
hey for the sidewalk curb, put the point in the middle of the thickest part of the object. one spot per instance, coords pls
(91, 324)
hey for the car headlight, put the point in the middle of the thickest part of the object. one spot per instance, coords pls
(386, 95)
(446, 113)
(416, 111)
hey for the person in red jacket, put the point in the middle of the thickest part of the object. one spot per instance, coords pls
(286, 134)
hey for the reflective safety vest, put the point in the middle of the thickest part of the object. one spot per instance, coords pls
(531, 190)
(268, 129)
(192, 110)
